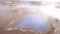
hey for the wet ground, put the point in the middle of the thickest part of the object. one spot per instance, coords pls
(7, 11)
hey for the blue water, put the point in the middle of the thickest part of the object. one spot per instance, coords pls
(35, 22)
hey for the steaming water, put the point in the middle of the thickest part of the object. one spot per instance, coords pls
(35, 22)
(38, 22)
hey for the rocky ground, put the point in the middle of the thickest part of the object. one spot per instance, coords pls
(9, 16)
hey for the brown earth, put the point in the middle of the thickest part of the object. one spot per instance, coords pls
(9, 16)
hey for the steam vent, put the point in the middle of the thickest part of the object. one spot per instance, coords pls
(29, 16)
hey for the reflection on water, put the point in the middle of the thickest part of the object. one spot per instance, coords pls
(35, 23)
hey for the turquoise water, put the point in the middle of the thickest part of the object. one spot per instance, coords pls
(34, 22)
